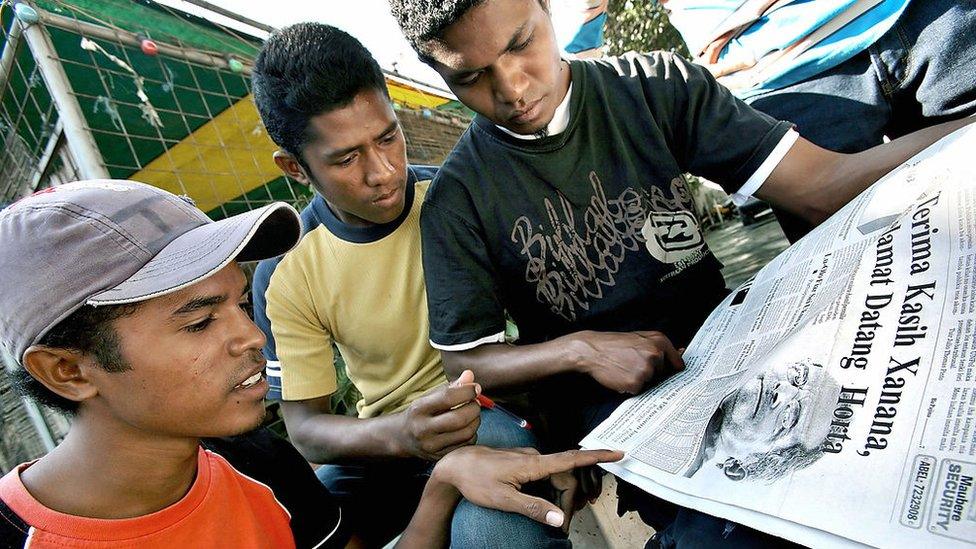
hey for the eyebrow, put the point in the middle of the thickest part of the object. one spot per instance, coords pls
(199, 303)
(512, 42)
(343, 152)
(515, 39)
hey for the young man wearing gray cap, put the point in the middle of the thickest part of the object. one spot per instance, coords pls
(122, 308)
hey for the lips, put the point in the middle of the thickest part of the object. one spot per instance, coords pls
(526, 115)
(254, 378)
(386, 197)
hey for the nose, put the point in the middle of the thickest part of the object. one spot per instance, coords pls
(380, 171)
(509, 81)
(247, 336)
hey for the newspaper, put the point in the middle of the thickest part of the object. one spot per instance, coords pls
(831, 399)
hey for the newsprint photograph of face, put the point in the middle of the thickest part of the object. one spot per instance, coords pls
(773, 424)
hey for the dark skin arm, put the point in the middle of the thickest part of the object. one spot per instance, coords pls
(813, 183)
(623, 361)
(493, 478)
(442, 420)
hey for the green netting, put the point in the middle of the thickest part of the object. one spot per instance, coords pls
(157, 22)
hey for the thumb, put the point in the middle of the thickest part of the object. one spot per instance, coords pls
(535, 508)
(466, 377)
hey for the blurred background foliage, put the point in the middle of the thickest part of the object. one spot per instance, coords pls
(640, 26)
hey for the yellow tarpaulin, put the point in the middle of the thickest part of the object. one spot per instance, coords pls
(231, 154)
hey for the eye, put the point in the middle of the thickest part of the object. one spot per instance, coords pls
(523, 45)
(389, 138)
(200, 326)
(790, 416)
(798, 375)
(347, 161)
(468, 79)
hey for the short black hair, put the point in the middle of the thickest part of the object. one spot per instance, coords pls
(90, 331)
(424, 20)
(305, 70)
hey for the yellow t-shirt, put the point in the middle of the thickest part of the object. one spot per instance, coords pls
(365, 292)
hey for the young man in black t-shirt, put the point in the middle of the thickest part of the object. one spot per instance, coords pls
(123, 308)
(564, 206)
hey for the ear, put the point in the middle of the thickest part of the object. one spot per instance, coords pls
(63, 371)
(291, 167)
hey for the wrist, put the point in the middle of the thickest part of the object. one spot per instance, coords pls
(440, 485)
(575, 353)
(395, 436)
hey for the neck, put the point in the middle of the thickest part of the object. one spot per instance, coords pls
(106, 470)
(348, 218)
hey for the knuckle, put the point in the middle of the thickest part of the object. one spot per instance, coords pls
(532, 508)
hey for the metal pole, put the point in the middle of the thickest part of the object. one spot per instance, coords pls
(34, 414)
(230, 15)
(85, 28)
(41, 426)
(81, 144)
(9, 54)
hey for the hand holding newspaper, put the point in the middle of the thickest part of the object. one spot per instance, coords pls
(831, 400)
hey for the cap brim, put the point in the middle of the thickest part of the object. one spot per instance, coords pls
(199, 253)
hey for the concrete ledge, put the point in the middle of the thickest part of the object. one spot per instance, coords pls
(597, 526)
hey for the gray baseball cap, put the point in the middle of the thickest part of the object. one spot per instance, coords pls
(108, 242)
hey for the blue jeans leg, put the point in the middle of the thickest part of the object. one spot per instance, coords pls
(477, 527)
(377, 499)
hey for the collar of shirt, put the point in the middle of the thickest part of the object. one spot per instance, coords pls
(558, 124)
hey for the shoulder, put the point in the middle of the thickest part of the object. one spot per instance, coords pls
(471, 154)
(641, 69)
(423, 174)
(268, 267)
(262, 275)
(274, 462)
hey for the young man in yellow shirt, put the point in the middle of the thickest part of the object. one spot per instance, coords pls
(356, 280)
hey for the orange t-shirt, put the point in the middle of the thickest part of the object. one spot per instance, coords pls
(224, 508)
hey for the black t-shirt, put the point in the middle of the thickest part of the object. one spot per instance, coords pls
(592, 228)
(316, 520)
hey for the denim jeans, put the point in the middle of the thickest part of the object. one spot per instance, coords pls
(920, 73)
(379, 498)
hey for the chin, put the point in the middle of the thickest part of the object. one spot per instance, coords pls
(388, 216)
(247, 425)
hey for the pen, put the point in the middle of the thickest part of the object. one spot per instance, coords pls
(486, 402)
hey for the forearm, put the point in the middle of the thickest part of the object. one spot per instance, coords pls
(856, 172)
(431, 522)
(500, 366)
(330, 438)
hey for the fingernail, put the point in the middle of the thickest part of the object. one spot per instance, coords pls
(554, 518)
(477, 388)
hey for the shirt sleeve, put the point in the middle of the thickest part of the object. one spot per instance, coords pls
(462, 294)
(259, 285)
(303, 343)
(712, 133)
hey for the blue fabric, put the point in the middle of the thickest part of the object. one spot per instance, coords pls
(589, 36)
(380, 498)
(318, 213)
(918, 74)
(697, 20)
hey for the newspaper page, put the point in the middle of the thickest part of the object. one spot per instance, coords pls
(831, 399)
